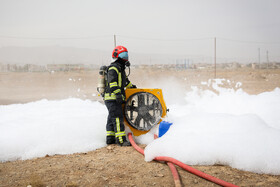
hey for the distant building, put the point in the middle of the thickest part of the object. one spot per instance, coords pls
(255, 66)
(65, 67)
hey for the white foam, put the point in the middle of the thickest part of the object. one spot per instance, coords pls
(227, 126)
(51, 127)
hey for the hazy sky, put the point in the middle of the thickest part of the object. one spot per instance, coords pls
(183, 27)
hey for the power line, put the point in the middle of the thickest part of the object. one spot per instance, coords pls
(135, 37)
(253, 42)
(194, 39)
(54, 38)
(171, 40)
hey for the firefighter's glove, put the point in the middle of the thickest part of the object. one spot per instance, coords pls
(119, 98)
(133, 86)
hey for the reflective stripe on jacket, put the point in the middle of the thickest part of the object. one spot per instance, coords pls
(115, 84)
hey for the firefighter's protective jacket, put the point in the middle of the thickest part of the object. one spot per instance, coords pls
(117, 81)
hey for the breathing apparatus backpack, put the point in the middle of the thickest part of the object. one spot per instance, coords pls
(102, 80)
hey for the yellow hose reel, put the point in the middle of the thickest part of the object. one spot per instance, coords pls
(144, 108)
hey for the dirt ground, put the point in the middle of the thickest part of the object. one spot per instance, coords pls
(114, 165)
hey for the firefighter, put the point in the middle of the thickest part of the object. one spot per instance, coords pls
(114, 96)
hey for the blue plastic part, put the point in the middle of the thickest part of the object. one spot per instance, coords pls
(163, 128)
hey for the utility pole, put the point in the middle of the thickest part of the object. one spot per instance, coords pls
(259, 58)
(267, 59)
(115, 40)
(215, 56)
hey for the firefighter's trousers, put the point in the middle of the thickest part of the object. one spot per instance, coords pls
(115, 122)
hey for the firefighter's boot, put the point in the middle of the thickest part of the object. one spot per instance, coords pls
(110, 140)
(124, 142)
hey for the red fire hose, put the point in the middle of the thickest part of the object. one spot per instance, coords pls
(173, 170)
(175, 174)
(182, 165)
(171, 166)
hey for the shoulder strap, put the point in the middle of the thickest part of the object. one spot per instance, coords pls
(116, 67)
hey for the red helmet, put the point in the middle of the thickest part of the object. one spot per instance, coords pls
(120, 52)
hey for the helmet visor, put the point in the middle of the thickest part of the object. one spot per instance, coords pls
(123, 55)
